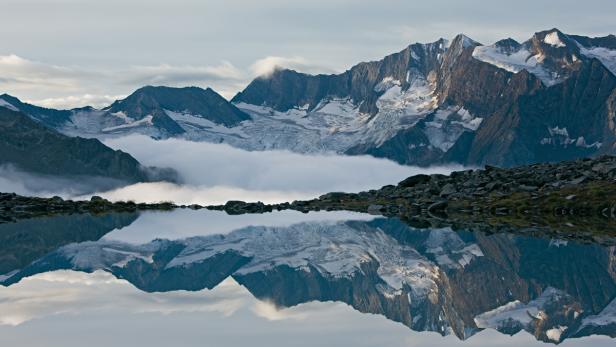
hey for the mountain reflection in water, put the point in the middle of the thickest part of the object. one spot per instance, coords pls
(439, 280)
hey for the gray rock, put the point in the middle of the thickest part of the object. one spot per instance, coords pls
(448, 189)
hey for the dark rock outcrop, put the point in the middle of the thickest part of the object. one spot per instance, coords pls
(23, 242)
(34, 148)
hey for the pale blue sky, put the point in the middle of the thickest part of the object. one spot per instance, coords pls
(64, 49)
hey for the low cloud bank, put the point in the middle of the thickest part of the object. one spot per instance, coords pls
(13, 180)
(216, 173)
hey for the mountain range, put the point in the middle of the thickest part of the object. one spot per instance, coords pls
(550, 98)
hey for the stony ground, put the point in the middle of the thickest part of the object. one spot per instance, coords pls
(14, 207)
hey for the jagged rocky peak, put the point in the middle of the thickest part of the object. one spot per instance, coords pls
(553, 38)
(458, 46)
(157, 102)
(508, 45)
(555, 48)
(44, 115)
(284, 89)
(463, 41)
(550, 55)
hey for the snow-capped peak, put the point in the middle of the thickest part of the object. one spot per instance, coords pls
(554, 40)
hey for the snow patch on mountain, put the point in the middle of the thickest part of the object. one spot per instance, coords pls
(6, 104)
(553, 39)
(517, 61)
(145, 121)
(606, 317)
(400, 109)
(517, 315)
(560, 136)
(605, 55)
(449, 250)
(195, 124)
(334, 249)
(447, 125)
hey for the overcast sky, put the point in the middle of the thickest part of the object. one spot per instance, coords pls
(67, 53)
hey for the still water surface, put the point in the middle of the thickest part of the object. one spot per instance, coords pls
(189, 278)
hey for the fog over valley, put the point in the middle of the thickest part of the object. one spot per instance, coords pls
(215, 173)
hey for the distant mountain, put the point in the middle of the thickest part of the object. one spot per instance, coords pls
(158, 102)
(160, 112)
(35, 148)
(51, 117)
(550, 98)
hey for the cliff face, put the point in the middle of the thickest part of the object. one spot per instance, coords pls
(288, 89)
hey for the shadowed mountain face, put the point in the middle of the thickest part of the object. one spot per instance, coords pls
(34, 148)
(427, 279)
(25, 241)
(44, 115)
(157, 101)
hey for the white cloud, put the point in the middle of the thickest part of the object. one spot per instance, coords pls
(215, 173)
(64, 87)
(182, 224)
(165, 74)
(18, 73)
(266, 66)
(197, 194)
(74, 101)
(69, 292)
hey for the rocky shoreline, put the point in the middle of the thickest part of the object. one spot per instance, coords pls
(14, 207)
(563, 195)
(527, 196)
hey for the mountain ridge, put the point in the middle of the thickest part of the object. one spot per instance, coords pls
(507, 104)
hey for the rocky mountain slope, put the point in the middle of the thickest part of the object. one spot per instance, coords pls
(32, 147)
(427, 279)
(162, 103)
(550, 98)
